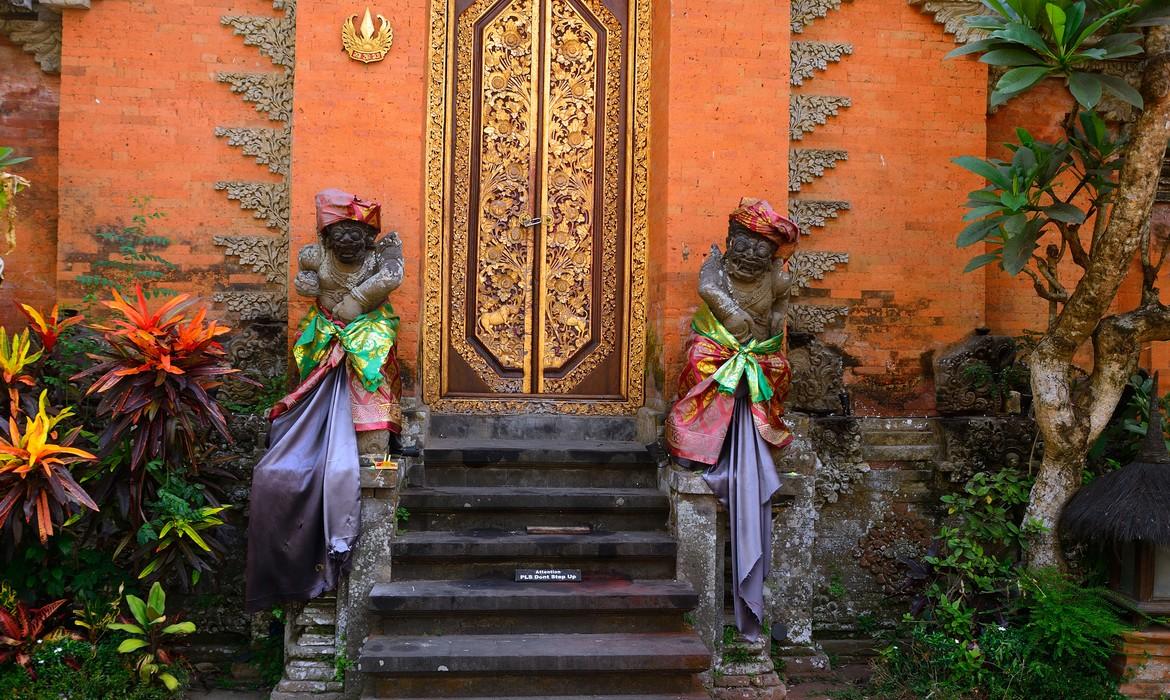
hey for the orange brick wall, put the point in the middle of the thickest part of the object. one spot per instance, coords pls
(360, 127)
(137, 118)
(139, 106)
(29, 100)
(912, 112)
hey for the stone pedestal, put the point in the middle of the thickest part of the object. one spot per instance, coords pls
(745, 671)
(695, 522)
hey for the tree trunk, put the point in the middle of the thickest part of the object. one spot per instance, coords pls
(1068, 428)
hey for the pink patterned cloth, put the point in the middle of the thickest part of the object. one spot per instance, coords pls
(333, 205)
(759, 216)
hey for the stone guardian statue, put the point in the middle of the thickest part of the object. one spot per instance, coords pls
(306, 490)
(729, 414)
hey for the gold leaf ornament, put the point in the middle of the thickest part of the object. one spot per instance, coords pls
(365, 43)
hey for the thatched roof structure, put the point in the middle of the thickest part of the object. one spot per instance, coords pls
(1131, 504)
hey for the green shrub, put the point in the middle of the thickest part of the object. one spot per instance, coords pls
(73, 670)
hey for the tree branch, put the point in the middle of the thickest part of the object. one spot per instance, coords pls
(1137, 183)
(1117, 346)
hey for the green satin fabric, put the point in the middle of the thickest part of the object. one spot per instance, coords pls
(367, 341)
(743, 361)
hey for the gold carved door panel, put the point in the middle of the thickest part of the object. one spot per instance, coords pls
(537, 236)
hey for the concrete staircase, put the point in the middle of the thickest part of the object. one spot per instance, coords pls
(453, 623)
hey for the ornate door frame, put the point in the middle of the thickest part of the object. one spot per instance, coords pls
(439, 197)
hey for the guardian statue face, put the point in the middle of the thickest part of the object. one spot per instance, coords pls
(349, 241)
(749, 255)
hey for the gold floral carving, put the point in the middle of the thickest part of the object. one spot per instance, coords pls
(569, 255)
(507, 151)
(441, 193)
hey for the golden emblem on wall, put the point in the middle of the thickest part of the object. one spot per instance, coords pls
(364, 43)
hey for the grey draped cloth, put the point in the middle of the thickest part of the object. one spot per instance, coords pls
(745, 480)
(306, 499)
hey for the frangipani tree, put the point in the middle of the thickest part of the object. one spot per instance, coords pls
(1086, 198)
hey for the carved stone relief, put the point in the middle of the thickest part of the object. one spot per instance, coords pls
(266, 200)
(270, 92)
(805, 12)
(807, 266)
(808, 213)
(270, 147)
(980, 444)
(810, 318)
(808, 57)
(818, 373)
(40, 37)
(889, 545)
(953, 14)
(254, 348)
(968, 376)
(807, 112)
(266, 256)
(839, 462)
(254, 306)
(805, 165)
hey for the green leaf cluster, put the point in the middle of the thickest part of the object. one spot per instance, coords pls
(1036, 191)
(147, 630)
(1037, 39)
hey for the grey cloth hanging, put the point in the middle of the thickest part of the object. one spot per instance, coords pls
(304, 517)
(745, 479)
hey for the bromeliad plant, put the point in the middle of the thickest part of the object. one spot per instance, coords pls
(155, 382)
(148, 630)
(34, 473)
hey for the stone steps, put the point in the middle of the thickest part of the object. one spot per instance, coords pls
(480, 507)
(498, 553)
(488, 596)
(453, 623)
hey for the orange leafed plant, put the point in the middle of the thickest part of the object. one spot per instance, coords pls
(14, 358)
(49, 328)
(34, 472)
(155, 379)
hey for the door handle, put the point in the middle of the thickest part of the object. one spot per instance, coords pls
(529, 223)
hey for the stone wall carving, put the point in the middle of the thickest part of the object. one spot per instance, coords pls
(972, 445)
(889, 545)
(818, 373)
(839, 462)
(805, 165)
(808, 57)
(266, 200)
(270, 147)
(807, 112)
(967, 375)
(254, 306)
(39, 35)
(270, 92)
(266, 256)
(810, 318)
(805, 12)
(808, 213)
(807, 266)
(260, 349)
(952, 15)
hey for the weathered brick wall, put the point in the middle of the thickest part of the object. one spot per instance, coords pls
(29, 100)
(139, 107)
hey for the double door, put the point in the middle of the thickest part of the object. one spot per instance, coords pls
(537, 233)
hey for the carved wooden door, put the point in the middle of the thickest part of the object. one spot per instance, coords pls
(537, 275)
